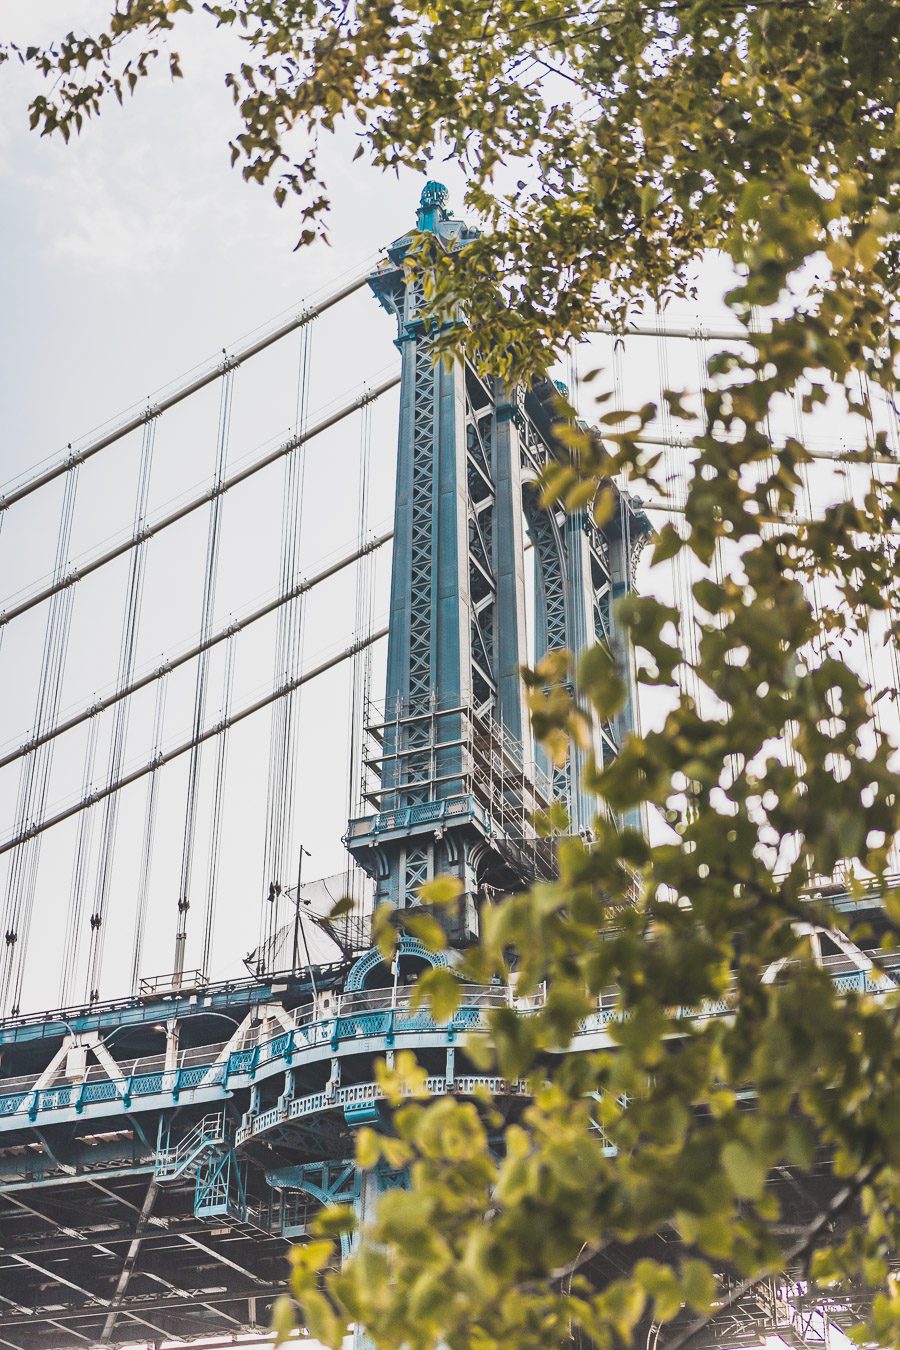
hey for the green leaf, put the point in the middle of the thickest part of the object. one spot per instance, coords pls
(698, 1285)
(745, 1169)
(443, 891)
(654, 153)
(368, 1148)
(311, 1256)
(284, 1318)
(441, 990)
(426, 928)
(601, 681)
(668, 543)
(515, 1041)
(649, 199)
(336, 1220)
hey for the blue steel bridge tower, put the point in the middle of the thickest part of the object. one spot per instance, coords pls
(455, 776)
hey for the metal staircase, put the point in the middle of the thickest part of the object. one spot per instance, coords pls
(220, 1191)
(207, 1153)
(208, 1136)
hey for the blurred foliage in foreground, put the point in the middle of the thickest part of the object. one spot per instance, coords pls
(639, 135)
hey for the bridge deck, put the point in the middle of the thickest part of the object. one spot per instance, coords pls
(140, 1191)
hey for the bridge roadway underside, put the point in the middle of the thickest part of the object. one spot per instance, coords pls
(93, 1251)
(64, 1251)
(67, 1249)
(106, 1234)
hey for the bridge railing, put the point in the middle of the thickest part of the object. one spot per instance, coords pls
(376, 1000)
(134, 1009)
(369, 1013)
(366, 1095)
(178, 982)
(374, 1014)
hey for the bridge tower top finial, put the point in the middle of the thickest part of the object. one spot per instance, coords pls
(432, 206)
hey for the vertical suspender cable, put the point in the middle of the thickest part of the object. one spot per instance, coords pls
(30, 888)
(893, 673)
(80, 869)
(143, 893)
(278, 839)
(134, 590)
(894, 425)
(618, 350)
(215, 832)
(366, 699)
(719, 561)
(806, 485)
(182, 390)
(35, 776)
(675, 462)
(209, 596)
(819, 646)
(892, 636)
(893, 641)
(869, 650)
(768, 467)
(2, 521)
(361, 670)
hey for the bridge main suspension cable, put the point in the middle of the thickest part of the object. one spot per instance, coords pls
(860, 459)
(166, 756)
(180, 393)
(221, 635)
(217, 490)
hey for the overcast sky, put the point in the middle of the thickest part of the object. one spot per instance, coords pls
(132, 255)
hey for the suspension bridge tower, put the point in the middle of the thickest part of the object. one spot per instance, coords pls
(455, 779)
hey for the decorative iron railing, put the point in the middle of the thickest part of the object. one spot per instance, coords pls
(379, 1014)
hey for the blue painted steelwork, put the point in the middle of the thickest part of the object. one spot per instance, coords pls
(459, 778)
(138, 1011)
(213, 1133)
(207, 1138)
(367, 1022)
(334, 1182)
(220, 1190)
(406, 947)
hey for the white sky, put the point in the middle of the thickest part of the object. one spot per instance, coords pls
(132, 255)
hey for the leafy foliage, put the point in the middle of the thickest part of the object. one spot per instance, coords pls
(635, 138)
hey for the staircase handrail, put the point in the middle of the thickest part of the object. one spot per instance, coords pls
(208, 1133)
